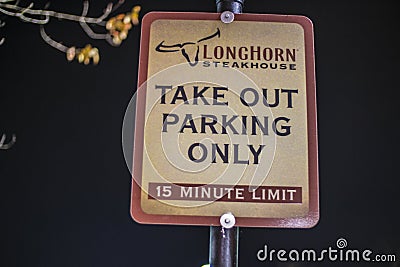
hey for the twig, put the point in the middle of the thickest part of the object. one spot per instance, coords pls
(116, 6)
(86, 27)
(117, 27)
(2, 39)
(9, 144)
(17, 11)
(37, 21)
(51, 42)
(22, 16)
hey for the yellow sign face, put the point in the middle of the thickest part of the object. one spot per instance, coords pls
(226, 121)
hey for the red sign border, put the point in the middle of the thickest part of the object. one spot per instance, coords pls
(308, 221)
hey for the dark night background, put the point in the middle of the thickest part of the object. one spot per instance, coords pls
(65, 188)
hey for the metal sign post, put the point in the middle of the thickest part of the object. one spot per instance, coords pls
(234, 6)
(224, 240)
(224, 243)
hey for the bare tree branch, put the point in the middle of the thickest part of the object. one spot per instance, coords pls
(18, 11)
(9, 144)
(2, 39)
(51, 42)
(117, 27)
(86, 27)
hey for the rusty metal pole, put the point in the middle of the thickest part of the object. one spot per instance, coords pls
(224, 242)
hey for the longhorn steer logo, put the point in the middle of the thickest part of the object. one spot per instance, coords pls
(161, 47)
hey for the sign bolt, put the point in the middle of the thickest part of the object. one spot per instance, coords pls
(227, 17)
(227, 220)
